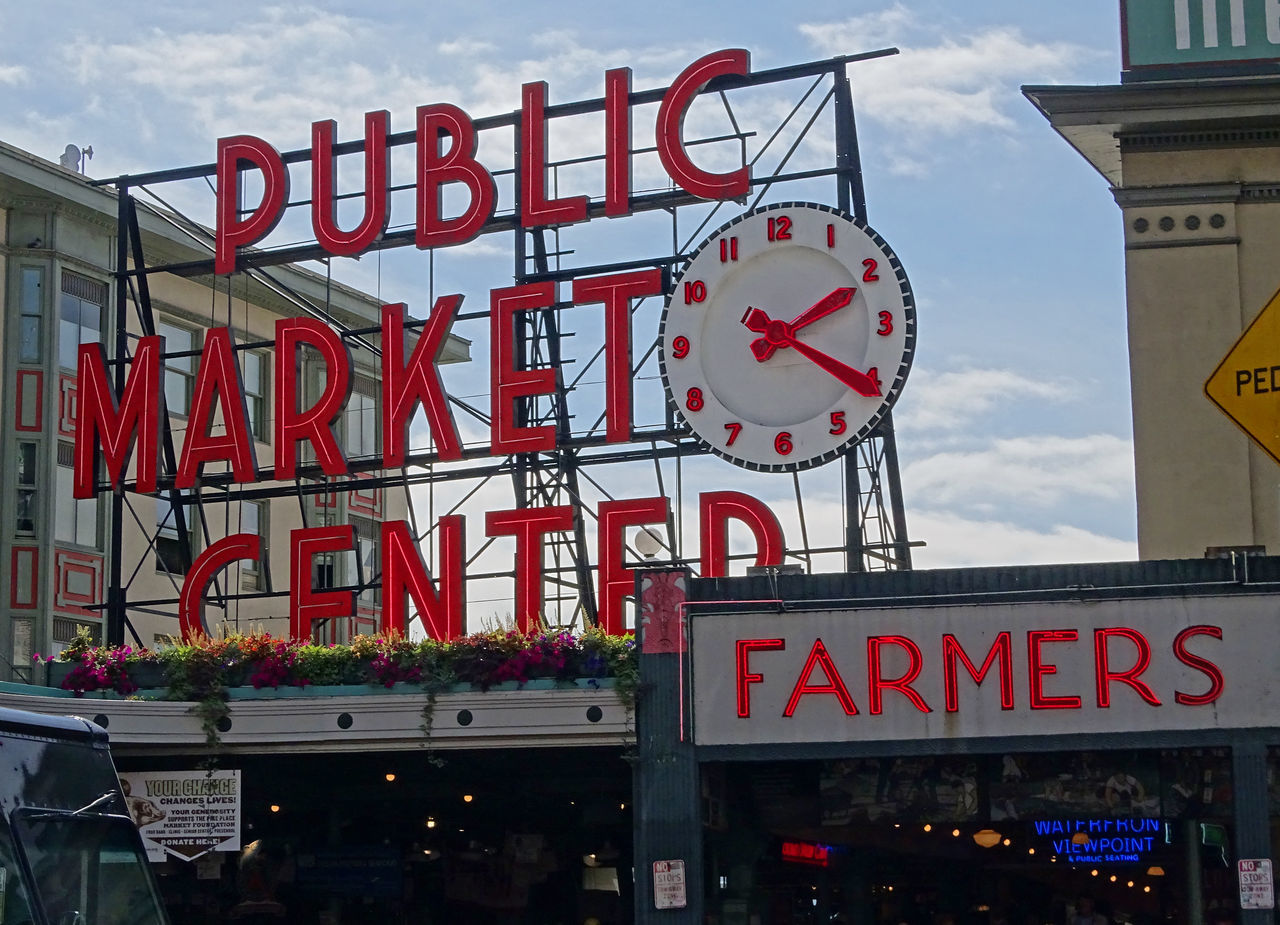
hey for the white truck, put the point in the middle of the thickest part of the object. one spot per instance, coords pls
(69, 852)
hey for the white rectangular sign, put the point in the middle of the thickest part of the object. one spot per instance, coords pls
(973, 671)
(184, 813)
(1257, 888)
(669, 885)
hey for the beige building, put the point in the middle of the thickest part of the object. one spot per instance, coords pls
(1194, 165)
(56, 260)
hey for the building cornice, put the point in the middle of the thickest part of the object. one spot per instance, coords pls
(351, 723)
(1101, 122)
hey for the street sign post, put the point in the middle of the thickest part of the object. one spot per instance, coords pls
(669, 885)
(1257, 888)
(1246, 384)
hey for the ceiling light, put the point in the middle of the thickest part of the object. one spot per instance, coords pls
(390, 777)
(986, 838)
(275, 807)
(431, 822)
(467, 798)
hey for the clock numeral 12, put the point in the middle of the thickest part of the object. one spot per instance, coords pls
(695, 291)
(779, 228)
(734, 428)
(728, 249)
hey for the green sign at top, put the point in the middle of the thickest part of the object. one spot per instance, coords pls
(1182, 38)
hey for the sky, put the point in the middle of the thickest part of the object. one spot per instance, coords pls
(1014, 429)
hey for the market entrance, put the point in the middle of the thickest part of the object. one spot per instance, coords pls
(1019, 839)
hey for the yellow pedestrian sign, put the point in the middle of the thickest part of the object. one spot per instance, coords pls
(1246, 384)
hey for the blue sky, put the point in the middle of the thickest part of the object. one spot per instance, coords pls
(1014, 429)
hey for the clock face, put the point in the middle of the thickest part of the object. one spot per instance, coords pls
(788, 336)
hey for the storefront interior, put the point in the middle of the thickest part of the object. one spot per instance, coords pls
(492, 837)
(1021, 839)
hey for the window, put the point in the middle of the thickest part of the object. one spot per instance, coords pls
(255, 392)
(361, 418)
(27, 495)
(363, 561)
(179, 372)
(253, 519)
(31, 310)
(75, 520)
(169, 546)
(14, 904)
(87, 867)
(79, 316)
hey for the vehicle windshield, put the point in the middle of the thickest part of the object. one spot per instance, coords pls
(88, 869)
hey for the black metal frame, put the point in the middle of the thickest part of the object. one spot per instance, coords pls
(870, 471)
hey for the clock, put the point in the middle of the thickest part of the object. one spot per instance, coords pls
(787, 337)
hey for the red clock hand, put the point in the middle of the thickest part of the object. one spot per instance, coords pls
(778, 334)
(838, 298)
(763, 347)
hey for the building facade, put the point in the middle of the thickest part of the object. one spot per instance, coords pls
(1194, 165)
(57, 260)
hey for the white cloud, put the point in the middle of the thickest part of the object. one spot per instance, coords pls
(942, 85)
(861, 33)
(1022, 472)
(951, 401)
(463, 47)
(954, 541)
(13, 74)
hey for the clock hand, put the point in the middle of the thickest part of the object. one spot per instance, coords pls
(860, 382)
(763, 347)
(777, 334)
(838, 298)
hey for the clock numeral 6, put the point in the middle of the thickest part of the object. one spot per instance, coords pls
(680, 347)
(779, 228)
(838, 424)
(693, 399)
(695, 291)
(886, 324)
(734, 428)
(782, 443)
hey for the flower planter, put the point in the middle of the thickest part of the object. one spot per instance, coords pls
(321, 690)
(58, 672)
(148, 676)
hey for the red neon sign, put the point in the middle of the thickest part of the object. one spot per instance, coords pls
(759, 665)
(804, 852)
(455, 163)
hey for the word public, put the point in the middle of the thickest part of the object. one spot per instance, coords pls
(446, 156)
